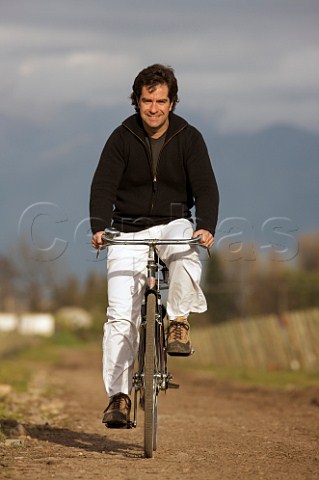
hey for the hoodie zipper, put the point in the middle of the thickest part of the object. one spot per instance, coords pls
(154, 185)
(165, 143)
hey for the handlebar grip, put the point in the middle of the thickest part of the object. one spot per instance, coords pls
(197, 239)
(110, 233)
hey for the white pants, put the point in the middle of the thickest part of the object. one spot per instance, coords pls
(126, 275)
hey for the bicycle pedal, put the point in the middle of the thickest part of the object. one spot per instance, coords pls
(181, 354)
(117, 426)
(173, 385)
(130, 424)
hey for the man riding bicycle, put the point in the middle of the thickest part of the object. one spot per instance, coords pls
(153, 169)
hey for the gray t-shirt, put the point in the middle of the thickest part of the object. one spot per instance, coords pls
(155, 145)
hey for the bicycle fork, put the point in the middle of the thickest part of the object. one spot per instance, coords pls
(162, 378)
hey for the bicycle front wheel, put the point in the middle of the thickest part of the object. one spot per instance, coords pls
(150, 413)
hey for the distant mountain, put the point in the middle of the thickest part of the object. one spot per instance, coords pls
(271, 173)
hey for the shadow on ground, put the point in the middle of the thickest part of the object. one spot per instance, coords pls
(88, 442)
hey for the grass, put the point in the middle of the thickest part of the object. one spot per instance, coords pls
(2, 435)
(16, 368)
(18, 359)
(16, 374)
(281, 379)
(4, 411)
(277, 379)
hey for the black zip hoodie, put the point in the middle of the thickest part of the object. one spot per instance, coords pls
(126, 194)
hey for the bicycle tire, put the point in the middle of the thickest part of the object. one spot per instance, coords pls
(150, 405)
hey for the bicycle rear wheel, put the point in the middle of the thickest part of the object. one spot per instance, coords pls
(150, 413)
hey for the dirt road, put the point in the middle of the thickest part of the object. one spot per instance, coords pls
(209, 429)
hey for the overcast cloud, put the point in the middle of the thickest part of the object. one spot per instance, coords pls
(245, 64)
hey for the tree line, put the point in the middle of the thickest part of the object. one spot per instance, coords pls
(244, 290)
(233, 289)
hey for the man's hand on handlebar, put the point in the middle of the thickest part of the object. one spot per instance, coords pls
(97, 241)
(207, 239)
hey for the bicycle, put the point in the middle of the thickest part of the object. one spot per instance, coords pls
(152, 375)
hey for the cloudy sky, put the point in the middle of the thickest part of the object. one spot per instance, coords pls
(241, 64)
(248, 73)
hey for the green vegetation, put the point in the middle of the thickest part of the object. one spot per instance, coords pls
(234, 287)
(282, 379)
(279, 379)
(16, 374)
(19, 358)
(240, 288)
(4, 412)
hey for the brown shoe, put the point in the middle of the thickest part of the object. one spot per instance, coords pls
(117, 413)
(178, 339)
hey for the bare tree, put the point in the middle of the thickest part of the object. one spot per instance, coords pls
(8, 274)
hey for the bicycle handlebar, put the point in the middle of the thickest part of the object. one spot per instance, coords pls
(109, 238)
(151, 241)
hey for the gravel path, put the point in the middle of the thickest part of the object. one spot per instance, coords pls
(208, 429)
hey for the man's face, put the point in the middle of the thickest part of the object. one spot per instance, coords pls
(154, 108)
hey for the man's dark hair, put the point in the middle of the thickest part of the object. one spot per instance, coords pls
(152, 76)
